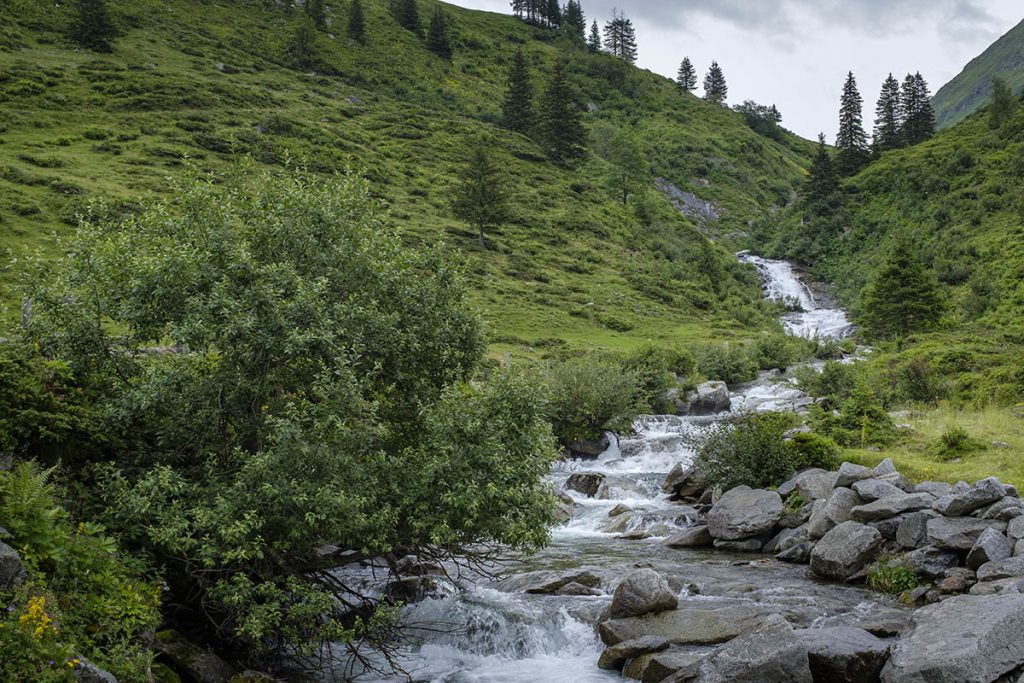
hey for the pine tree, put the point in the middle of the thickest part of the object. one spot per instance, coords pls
(561, 118)
(852, 141)
(92, 27)
(902, 297)
(356, 22)
(715, 89)
(917, 119)
(316, 12)
(822, 182)
(887, 116)
(620, 37)
(574, 24)
(481, 197)
(594, 42)
(519, 8)
(1002, 103)
(303, 49)
(517, 109)
(407, 13)
(438, 39)
(553, 14)
(687, 77)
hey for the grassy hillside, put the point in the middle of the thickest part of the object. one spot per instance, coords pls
(971, 88)
(197, 82)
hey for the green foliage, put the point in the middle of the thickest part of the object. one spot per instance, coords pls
(715, 88)
(629, 162)
(851, 141)
(92, 27)
(902, 297)
(1001, 105)
(561, 118)
(481, 199)
(83, 596)
(590, 395)
(438, 34)
(407, 13)
(969, 90)
(893, 575)
(687, 76)
(728, 363)
(814, 450)
(517, 108)
(303, 49)
(357, 22)
(955, 442)
(316, 12)
(777, 352)
(660, 368)
(835, 381)
(747, 450)
(793, 502)
(861, 420)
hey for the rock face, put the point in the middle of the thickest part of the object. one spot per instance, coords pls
(845, 550)
(707, 399)
(12, 571)
(771, 652)
(844, 654)
(963, 639)
(686, 626)
(694, 537)
(991, 546)
(642, 592)
(959, 533)
(743, 512)
(615, 657)
(587, 483)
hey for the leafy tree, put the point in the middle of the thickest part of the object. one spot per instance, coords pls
(356, 22)
(762, 119)
(574, 23)
(481, 197)
(903, 296)
(715, 89)
(917, 118)
(851, 141)
(316, 13)
(561, 118)
(517, 109)
(438, 39)
(303, 48)
(687, 77)
(887, 116)
(321, 395)
(620, 37)
(625, 153)
(407, 13)
(92, 27)
(1002, 103)
(594, 41)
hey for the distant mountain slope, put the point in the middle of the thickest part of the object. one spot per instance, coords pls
(196, 82)
(971, 88)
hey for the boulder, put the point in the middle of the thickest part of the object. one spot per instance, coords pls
(963, 639)
(991, 546)
(960, 503)
(190, 660)
(815, 484)
(819, 522)
(549, 583)
(873, 489)
(797, 554)
(588, 449)
(693, 537)
(936, 488)
(12, 571)
(844, 654)
(657, 667)
(673, 475)
(615, 656)
(687, 625)
(885, 467)
(850, 473)
(884, 622)
(1003, 509)
(744, 512)
(1008, 568)
(747, 545)
(899, 481)
(845, 550)
(913, 529)
(644, 591)
(770, 652)
(87, 672)
(785, 539)
(890, 506)
(687, 484)
(798, 517)
(931, 561)
(707, 399)
(587, 483)
(1015, 529)
(577, 589)
(887, 527)
(959, 533)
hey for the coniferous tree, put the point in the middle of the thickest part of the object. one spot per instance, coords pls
(574, 24)
(303, 48)
(519, 8)
(620, 37)
(822, 204)
(92, 27)
(517, 109)
(438, 38)
(625, 153)
(316, 12)
(715, 89)
(852, 141)
(561, 118)
(1001, 104)
(687, 77)
(887, 116)
(481, 197)
(903, 296)
(553, 14)
(822, 182)
(594, 42)
(356, 22)
(917, 119)
(407, 13)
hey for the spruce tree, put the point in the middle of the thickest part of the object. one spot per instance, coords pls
(356, 22)
(92, 27)
(553, 14)
(902, 297)
(303, 48)
(852, 141)
(594, 42)
(438, 39)
(561, 118)
(822, 182)
(407, 13)
(481, 197)
(687, 77)
(517, 109)
(574, 24)
(715, 89)
(316, 12)
(620, 37)
(917, 119)
(519, 8)
(1001, 104)
(887, 116)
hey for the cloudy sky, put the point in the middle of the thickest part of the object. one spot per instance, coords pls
(796, 53)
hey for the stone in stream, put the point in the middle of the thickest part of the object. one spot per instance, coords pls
(884, 622)
(707, 399)
(890, 506)
(932, 562)
(658, 666)
(958, 504)
(963, 639)
(991, 546)
(785, 539)
(587, 483)
(770, 652)
(687, 625)
(797, 554)
(642, 592)
(577, 589)
(693, 537)
(615, 657)
(959, 533)
(873, 489)
(549, 583)
(744, 512)
(849, 473)
(588, 449)
(845, 550)
(844, 654)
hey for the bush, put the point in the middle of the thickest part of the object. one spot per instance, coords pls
(835, 381)
(776, 352)
(730, 364)
(590, 395)
(814, 450)
(862, 421)
(659, 368)
(749, 449)
(893, 575)
(955, 442)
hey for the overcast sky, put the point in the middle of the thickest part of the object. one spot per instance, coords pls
(796, 53)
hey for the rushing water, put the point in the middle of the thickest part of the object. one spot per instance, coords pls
(489, 630)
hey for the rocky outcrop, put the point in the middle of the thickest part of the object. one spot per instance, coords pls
(692, 537)
(642, 592)
(743, 513)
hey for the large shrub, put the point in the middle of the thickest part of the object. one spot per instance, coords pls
(589, 395)
(729, 363)
(749, 449)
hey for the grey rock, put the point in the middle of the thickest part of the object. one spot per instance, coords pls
(1015, 529)
(1008, 568)
(619, 509)
(587, 483)
(819, 523)
(936, 488)
(662, 665)
(707, 399)
(87, 672)
(845, 550)
(789, 537)
(887, 527)
(644, 591)
(884, 622)
(615, 656)
(797, 554)
(549, 583)
(798, 517)
(693, 537)
(899, 481)
(588, 449)
(959, 533)
(675, 473)
(963, 639)
(885, 467)
(991, 546)
(849, 473)
(747, 545)
(1003, 509)
(890, 506)
(961, 503)
(686, 626)
(913, 529)
(931, 561)
(815, 484)
(873, 489)
(844, 654)
(743, 512)
(577, 589)
(198, 664)
(770, 652)
(12, 571)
